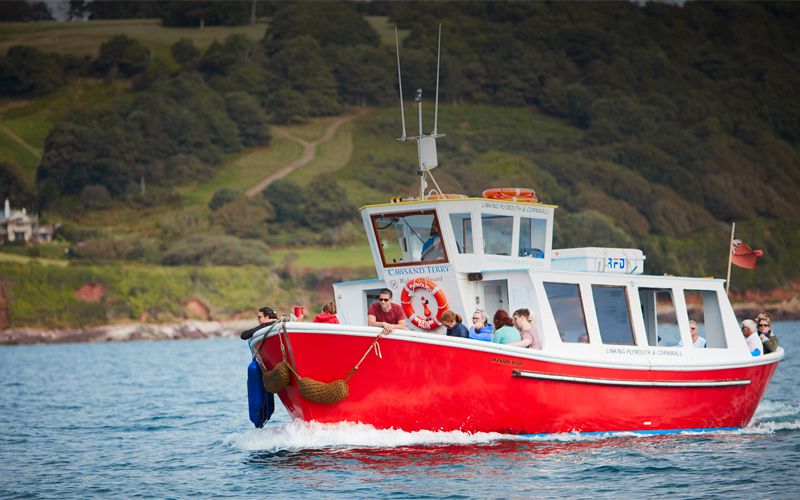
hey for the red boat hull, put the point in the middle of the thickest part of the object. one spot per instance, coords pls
(438, 386)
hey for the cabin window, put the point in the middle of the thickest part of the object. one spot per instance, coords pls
(532, 237)
(566, 305)
(613, 314)
(660, 322)
(409, 238)
(497, 232)
(462, 230)
(703, 308)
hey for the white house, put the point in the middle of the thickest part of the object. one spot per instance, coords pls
(18, 225)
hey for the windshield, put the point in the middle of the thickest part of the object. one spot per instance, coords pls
(409, 238)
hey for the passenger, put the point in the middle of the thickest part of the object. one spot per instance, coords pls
(530, 337)
(583, 338)
(328, 314)
(504, 333)
(455, 328)
(753, 342)
(697, 340)
(266, 316)
(386, 314)
(768, 338)
(480, 329)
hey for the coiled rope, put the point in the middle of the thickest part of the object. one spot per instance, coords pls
(277, 379)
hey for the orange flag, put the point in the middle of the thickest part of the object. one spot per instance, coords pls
(743, 255)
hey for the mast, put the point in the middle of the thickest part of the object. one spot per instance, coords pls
(426, 144)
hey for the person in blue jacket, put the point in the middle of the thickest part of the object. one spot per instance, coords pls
(481, 329)
(455, 328)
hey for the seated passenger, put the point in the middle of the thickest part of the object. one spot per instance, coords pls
(504, 333)
(697, 340)
(765, 333)
(328, 314)
(480, 329)
(583, 338)
(753, 342)
(530, 337)
(455, 328)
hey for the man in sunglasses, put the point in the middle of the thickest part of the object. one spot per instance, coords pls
(386, 314)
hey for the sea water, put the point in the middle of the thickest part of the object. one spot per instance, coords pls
(169, 420)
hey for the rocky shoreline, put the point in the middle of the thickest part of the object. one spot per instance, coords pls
(195, 329)
(125, 332)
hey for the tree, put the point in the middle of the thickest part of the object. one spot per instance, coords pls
(19, 10)
(326, 203)
(328, 23)
(222, 197)
(28, 71)
(288, 199)
(185, 53)
(13, 185)
(245, 111)
(200, 14)
(122, 55)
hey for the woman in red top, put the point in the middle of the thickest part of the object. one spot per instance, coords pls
(328, 314)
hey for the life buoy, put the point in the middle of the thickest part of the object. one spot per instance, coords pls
(429, 321)
(525, 195)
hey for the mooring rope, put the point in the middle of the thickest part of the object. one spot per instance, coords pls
(277, 379)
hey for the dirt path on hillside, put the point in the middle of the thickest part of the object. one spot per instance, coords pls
(19, 140)
(308, 155)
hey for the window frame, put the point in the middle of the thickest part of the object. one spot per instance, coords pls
(375, 216)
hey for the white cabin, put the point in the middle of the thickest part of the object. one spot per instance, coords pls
(490, 254)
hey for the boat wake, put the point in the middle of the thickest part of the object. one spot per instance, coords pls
(297, 435)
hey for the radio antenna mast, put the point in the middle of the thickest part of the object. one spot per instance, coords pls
(426, 144)
(400, 84)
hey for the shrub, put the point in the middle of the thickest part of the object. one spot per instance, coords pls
(205, 249)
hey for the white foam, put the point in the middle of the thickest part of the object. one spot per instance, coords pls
(775, 409)
(298, 435)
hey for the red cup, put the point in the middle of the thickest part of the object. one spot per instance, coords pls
(299, 311)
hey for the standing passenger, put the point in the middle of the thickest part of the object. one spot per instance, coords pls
(504, 333)
(753, 342)
(455, 328)
(530, 337)
(386, 314)
(765, 333)
(480, 329)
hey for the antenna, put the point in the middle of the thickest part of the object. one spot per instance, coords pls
(426, 144)
(438, 59)
(400, 84)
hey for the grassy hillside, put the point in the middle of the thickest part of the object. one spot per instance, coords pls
(86, 37)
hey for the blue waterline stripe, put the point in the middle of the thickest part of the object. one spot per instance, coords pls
(642, 432)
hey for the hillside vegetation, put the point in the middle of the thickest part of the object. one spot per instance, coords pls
(650, 126)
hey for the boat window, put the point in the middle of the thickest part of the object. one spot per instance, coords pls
(660, 323)
(497, 232)
(613, 314)
(409, 238)
(565, 303)
(462, 230)
(532, 237)
(703, 307)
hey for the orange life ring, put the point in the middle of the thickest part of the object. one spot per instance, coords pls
(429, 321)
(511, 194)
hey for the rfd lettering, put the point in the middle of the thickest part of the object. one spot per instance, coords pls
(616, 263)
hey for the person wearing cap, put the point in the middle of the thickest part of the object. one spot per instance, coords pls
(751, 337)
(765, 333)
(266, 316)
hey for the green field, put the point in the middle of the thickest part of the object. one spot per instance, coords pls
(86, 37)
(321, 258)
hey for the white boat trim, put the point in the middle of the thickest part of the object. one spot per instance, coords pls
(631, 383)
(525, 353)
